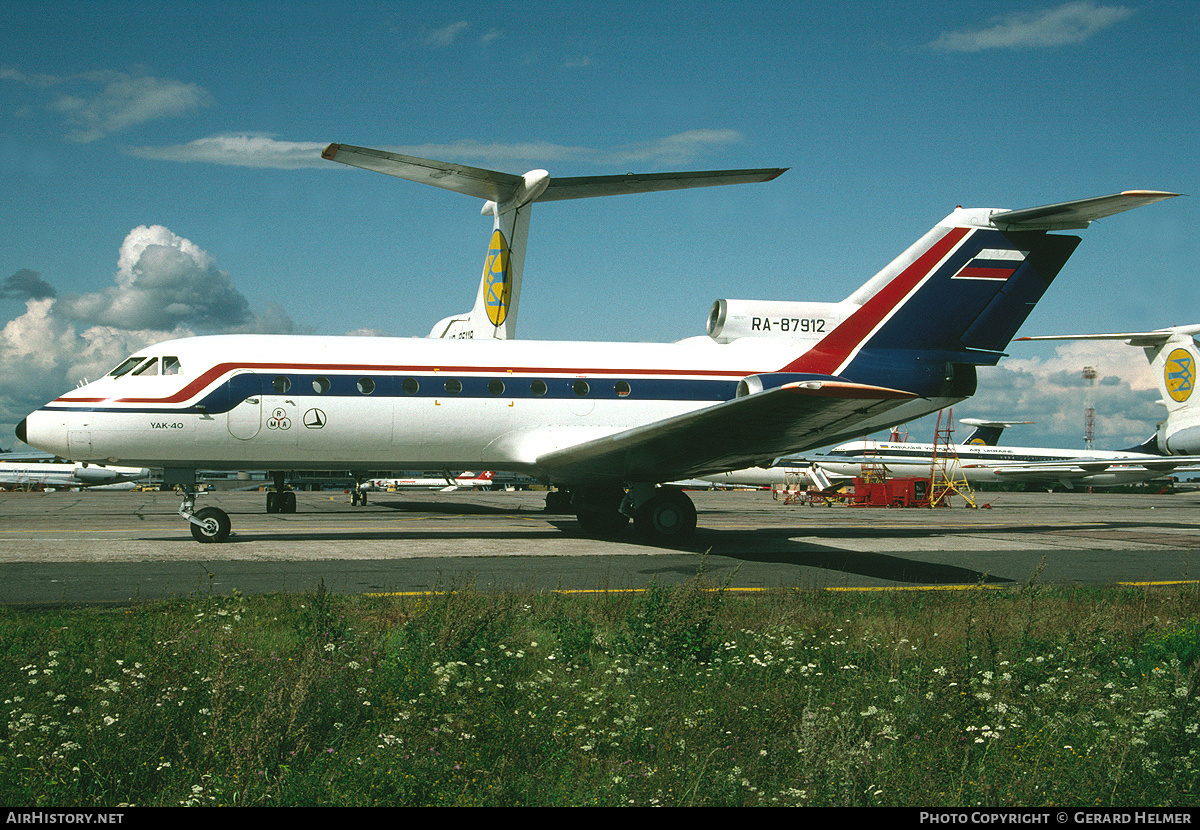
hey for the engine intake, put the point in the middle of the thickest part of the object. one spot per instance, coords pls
(733, 319)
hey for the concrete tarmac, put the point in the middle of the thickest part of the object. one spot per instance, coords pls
(92, 547)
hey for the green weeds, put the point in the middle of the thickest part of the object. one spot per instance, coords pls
(685, 695)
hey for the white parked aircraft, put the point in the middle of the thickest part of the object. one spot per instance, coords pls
(608, 421)
(447, 483)
(1173, 362)
(980, 464)
(27, 472)
(786, 470)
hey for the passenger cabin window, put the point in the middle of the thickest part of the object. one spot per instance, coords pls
(281, 384)
(126, 366)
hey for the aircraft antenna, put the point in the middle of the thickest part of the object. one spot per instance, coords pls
(1089, 409)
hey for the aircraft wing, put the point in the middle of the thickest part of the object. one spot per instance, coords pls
(744, 432)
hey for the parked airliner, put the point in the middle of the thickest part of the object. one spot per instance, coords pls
(979, 464)
(611, 422)
(26, 471)
(446, 484)
(786, 470)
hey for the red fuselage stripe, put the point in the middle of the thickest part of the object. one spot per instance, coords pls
(827, 356)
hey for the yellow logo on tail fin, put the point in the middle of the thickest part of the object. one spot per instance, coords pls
(1180, 374)
(497, 288)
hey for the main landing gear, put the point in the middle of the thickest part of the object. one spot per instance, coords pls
(281, 499)
(661, 515)
(358, 496)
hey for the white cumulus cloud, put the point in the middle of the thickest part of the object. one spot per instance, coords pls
(165, 287)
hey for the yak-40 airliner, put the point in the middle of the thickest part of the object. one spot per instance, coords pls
(608, 422)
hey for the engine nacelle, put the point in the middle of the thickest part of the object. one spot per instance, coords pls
(734, 319)
(752, 384)
(93, 475)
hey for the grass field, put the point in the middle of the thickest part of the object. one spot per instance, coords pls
(690, 695)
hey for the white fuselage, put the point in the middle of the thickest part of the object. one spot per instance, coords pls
(362, 403)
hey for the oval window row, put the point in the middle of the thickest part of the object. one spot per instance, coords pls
(453, 386)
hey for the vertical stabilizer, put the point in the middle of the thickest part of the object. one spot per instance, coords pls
(1174, 360)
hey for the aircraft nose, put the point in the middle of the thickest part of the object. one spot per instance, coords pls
(21, 431)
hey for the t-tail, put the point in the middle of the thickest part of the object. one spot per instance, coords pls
(509, 198)
(953, 301)
(1174, 359)
(987, 433)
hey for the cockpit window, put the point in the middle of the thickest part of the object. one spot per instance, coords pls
(126, 366)
(170, 366)
(150, 367)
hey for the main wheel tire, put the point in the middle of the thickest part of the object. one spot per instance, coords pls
(287, 502)
(598, 510)
(214, 525)
(272, 501)
(558, 501)
(668, 516)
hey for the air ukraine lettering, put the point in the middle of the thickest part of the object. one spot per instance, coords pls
(1180, 374)
(497, 287)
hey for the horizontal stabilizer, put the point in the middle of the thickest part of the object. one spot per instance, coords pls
(1077, 214)
(748, 431)
(1133, 338)
(494, 186)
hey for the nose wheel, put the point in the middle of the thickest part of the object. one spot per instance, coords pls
(209, 524)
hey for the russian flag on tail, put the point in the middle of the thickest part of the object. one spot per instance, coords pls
(992, 264)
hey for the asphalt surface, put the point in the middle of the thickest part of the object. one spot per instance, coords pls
(112, 547)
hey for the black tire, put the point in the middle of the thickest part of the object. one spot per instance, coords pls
(598, 510)
(272, 501)
(669, 516)
(287, 502)
(558, 501)
(215, 525)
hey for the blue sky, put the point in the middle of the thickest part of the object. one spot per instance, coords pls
(161, 171)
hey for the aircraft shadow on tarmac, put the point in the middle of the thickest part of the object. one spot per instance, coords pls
(776, 545)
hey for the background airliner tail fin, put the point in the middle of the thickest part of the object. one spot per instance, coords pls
(509, 199)
(987, 432)
(1172, 354)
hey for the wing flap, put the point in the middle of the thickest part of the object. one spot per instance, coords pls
(744, 432)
